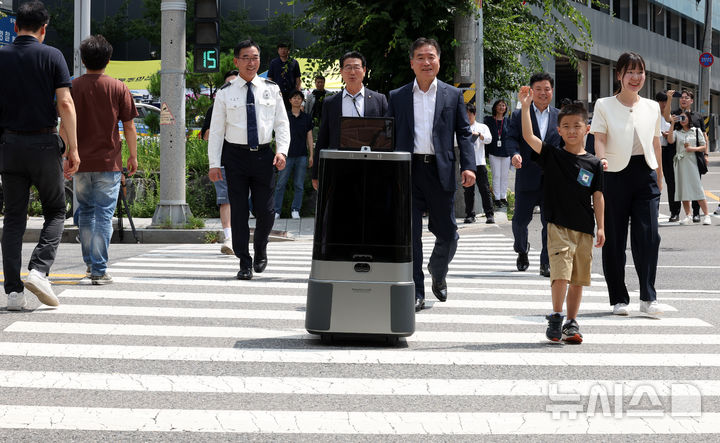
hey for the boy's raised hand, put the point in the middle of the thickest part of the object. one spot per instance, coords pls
(525, 96)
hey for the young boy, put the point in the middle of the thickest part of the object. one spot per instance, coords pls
(572, 177)
(481, 136)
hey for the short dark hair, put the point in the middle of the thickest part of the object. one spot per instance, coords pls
(470, 107)
(495, 105)
(422, 41)
(283, 45)
(295, 93)
(95, 52)
(319, 76)
(542, 76)
(231, 73)
(689, 93)
(32, 16)
(245, 44)
(352, 54)
(661, 96)
(573, 108)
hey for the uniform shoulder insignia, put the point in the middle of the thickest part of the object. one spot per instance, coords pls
(267, 80)
(225, 85)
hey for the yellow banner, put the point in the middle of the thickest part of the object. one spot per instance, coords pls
(135, 74)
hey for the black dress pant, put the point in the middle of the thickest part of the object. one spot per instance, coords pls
(631, 195)
(27, 160)
(481, 179)
(525, 202)
(429, 195)
(249, 171)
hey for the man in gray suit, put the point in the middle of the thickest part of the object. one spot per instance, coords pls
(428, 114)
(355, 100)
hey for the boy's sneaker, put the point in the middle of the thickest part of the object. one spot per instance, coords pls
(620, 309)
(707, 220)
(38, 284)
(295, 214)
(571, 332)
(104, 279)
(226, 247)
(16, 301)
(554, 329)
(650, 307)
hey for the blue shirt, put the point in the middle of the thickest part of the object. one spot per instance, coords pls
(299, 127)
(30, 74)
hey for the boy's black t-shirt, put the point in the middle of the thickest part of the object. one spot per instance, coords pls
(569, 183)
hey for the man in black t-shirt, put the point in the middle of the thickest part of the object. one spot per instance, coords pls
(573, 202)
(34, 89)
(285, 72)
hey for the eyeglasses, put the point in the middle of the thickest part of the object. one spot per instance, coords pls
(352, 68)
(246, 59)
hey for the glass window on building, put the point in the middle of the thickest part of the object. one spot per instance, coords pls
(716, 43)
(640, 13)
(687, 32)
(657, 23)
(699, 36)
(673, 26)
(602, 5)
(621, 9)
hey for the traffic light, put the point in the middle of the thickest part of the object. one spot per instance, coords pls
(207, 36)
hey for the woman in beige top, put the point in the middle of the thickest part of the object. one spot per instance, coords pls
(627, 140)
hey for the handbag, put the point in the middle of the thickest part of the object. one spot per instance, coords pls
(700, 158)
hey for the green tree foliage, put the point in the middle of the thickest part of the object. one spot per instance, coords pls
(384, 29)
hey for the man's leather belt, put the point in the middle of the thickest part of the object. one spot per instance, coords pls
(424, 158)
(42, 131)
(249, 147)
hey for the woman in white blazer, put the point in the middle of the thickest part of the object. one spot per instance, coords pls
(627, 140)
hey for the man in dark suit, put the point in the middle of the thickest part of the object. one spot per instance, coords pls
(428, 114)
(529, 176)
(355, 100)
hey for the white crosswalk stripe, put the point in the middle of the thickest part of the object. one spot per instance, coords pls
(177, 322)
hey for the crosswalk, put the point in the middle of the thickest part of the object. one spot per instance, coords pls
(177, 344)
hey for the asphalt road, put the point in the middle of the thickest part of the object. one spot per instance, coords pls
(177, 344)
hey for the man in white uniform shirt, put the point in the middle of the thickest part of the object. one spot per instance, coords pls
(246, 112)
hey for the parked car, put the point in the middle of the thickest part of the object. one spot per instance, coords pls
(144, 110)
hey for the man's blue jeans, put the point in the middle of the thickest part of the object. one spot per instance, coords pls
(97, 194)
(299, 166)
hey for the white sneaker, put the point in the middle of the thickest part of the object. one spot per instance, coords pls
(686, 221)
(650, 307)
(717, 211)
(277, 215)
(296, 214)
(16, 301)
(226, 247)
(707, 220)
(38, 284)
(620, 309)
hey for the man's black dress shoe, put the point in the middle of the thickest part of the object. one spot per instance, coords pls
(522, 261)
(674, 217)
(260, 262)
(545, 270)
(439, 287)
(696, 218)
(244, 274)
(419, 304)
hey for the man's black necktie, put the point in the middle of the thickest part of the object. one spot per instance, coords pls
(252, 129)
(354, 100)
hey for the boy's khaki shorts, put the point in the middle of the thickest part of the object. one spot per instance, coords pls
(570, 254)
